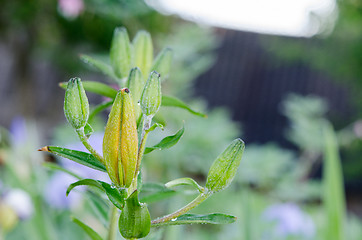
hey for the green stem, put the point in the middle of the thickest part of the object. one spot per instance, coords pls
(146, 125)
(85, 142)
(202, 197)
(113, 224)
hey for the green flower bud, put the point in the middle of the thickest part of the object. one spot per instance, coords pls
(76, 106)
(120, 53)
(135, 84)
(151, 95)
(120, 142)
(162, 63)
(225, 166)
(143, 51)
(135, 219)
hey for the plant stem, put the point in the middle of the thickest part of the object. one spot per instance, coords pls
(146, 125)
(85, 142)
(113, 224)
(202, 197)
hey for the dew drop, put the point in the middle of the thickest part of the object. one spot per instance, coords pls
(173, 219)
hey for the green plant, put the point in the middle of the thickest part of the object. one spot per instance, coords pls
(134, 115)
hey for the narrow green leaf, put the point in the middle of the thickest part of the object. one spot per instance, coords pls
(97, 109)
(167, 142)
(185, 181)
(91, 233)
(154, 192)
(168, 101)
(213, 218)
(115, 196)
(80, 157)
(100, 66)
(99, 206)
(95, 87)
(54, 166)
(334, 200)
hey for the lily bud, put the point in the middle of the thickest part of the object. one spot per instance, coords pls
(120, 53)
(151, 95)
(135, 84)
(143, 51)
(135, 219)
(76, 106)
(120, 142)
(162, 63)
(224, 168)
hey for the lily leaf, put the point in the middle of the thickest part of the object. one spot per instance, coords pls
(114, 195)
(91, 233)
(185, 181)
(95, 87)
(98, 108)
(54, 166)
(88, 130)
(167, 142)
(213, 218)
(99, 65)
(80, 157)
(153, 192)
(168, 101)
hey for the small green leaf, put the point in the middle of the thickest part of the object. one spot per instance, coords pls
(167, 142)
(88, 130)
(95, 87)
(213, 218)
(91, 233)
(83, 158)
(154, 126)
(168, 101)
(100, 66)
(154, 192)
(115, 196)
(185, 181)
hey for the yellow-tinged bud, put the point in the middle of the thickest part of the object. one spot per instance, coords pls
(120, 142)
(151, 95)
(76, 106)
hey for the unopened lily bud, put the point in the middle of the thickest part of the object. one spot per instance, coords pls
(120, 53)
(135, 219)
(225, 166)
(76, 106)
(120, 142)
(151, 95)
(162, 63)
(143, 51)
(135, 84)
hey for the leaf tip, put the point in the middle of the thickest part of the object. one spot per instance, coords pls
(44, 149)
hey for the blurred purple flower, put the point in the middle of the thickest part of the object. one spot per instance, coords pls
(70, 8)
(20, 202)
(289, 220)
(59, 182)
(18, 132)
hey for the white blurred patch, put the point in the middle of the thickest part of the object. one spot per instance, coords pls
(281, 17)
(20, 202)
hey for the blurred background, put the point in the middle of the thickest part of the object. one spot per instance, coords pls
(270, 72)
